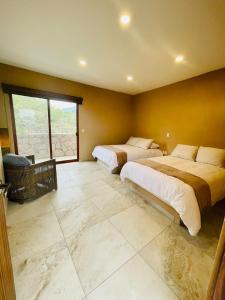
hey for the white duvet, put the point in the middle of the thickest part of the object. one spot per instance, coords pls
(109, 157)
(175, 192)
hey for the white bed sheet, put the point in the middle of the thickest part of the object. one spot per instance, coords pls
(175, 192)
(109, 157)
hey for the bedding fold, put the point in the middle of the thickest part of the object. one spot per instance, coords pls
(120, 154)
(199, 185)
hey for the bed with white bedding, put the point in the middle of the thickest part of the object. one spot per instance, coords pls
(109, 157)
(179, 195)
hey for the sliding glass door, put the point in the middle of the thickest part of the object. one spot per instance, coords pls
(46, 128)
(32, 129)
(63, 130)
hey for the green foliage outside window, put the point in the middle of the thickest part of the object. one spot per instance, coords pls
(31, 116)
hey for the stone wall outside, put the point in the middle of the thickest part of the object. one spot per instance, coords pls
(38, 144)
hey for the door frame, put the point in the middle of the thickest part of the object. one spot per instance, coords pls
(16, 90)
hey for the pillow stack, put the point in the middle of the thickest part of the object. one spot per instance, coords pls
(206, 155)
(212, 156)
(185, 152)
(140, 142)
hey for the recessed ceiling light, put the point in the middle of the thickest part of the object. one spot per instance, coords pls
(179, 58)
(83, 63)
(125, 19)
(129, 78)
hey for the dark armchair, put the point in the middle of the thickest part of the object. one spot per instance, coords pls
(30, 181)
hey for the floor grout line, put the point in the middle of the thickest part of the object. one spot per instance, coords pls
(115, 271)
(136, 252)
(139, 252)
(75, 268)
(107, 219)
(29, 219)
(113, 185)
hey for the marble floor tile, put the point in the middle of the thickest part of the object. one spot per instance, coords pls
(34, 235)
(114, 181)
(66, 197)
(96, 188)
(50, 274)
(138, 226)
(206, 240)
(78, 176)
(78, 217)
(17, 213)
(96, 224)
(183, 266)
(97, 252)
(67, 182)
(111, 203)
(133, 281)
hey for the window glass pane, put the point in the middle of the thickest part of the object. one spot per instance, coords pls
(64, 128)
(31, 118)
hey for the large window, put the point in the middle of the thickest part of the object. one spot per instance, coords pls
(45, 125)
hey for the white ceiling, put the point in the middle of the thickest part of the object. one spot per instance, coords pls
(50, 36)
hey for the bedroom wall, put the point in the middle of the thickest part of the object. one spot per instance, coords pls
(105, 115)
(192, 111)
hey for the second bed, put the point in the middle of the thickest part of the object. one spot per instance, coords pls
(173, 190)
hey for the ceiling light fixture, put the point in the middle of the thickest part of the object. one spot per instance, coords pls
(83, 63)
(179, 58)
(125, 19)
(129, 78)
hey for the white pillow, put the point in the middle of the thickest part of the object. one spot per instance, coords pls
(132, 141)
(144, 143)
(154, 146)
(212, 156)
(185, 151)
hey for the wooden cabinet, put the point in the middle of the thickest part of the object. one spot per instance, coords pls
(7, 288)
(3, 118)
(1, 167)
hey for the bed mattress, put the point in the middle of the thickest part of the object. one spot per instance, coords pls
(133, 153)
(175, 192)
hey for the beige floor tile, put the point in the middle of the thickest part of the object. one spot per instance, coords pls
(114, 181)
(133, 281)
(88, 194)
(96, 188)
(97, 252)
(182, 265)
(17, 213)
(111, 203)
(138, 225)
(50, 274)
(34, 235)
(65, 197)
(78, 217)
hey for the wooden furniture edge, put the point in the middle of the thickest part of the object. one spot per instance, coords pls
(155, 200)
(216, 265)
(7, 287)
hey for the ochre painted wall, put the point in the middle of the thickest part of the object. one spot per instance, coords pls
(192, 111)
(105, 115)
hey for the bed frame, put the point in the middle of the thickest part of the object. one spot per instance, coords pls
(155, 201)
(158, 203)
(114, 171)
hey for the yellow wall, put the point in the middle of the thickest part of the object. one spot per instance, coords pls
(192, 111)
(105, 115)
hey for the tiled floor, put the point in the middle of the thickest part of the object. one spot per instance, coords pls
(94, 239)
